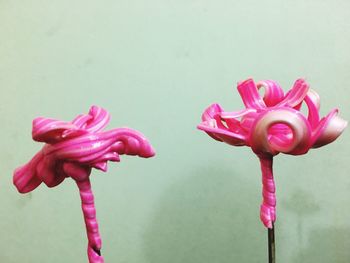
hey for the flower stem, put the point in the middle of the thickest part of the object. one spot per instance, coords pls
(268, 206)
(89, 211)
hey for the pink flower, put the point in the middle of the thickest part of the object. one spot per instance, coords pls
(271, 125)
(81, 142)
(72, 149)
(274, 123)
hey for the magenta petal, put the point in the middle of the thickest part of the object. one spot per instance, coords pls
(99, 120)
(209, 117)
(227, 130)
(236, 114)
(222, 134)
(48, 173)
(50, 130)
(250, 94)
(266, 140)
(312, 101)
(25, 178)
(101, 166)
(204, 126)
(273, 92)
(296, 95)
(328, 129)
(81, 120)
(211, 112)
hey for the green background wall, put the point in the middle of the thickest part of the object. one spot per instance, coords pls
(155, 65)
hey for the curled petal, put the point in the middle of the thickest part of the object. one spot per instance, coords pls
(314, 98)
(273, 92)
(51, 130)
(50, 172)
(296, 95)
(236, 114)
(95, 121)
(210, 117)
(131, 142)
(222, 129)
(214, 116)
(25, 178)
(294, 137)
(328, 129)
(222, 134)
(250, 94)
(81, 120)
(211, 112)
(312, 101)
(99, 121)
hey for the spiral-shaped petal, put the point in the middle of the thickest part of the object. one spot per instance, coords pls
(292, 136)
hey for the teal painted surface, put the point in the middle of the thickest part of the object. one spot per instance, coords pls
(155, 65)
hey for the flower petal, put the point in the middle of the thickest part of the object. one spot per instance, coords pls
(209, 118)
(296, 95)
(211, 112)
(49, 172)
(312, 101)
(100, 119)
(220, 129)
(295, 136)
(25, 177)
(250, 95)
(328, 129)
(236, 114)
(51, 130)
(223, 135)
(273, 92)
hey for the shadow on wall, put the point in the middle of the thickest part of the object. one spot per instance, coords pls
(301, 204)
(322, 245)
(327, 245)
(205, 219)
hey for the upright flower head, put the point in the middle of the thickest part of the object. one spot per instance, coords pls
(272, 124)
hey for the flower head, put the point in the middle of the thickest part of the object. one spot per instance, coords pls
(274, 123)
(271, 125)
(73, 148)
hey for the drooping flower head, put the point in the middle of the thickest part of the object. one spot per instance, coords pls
(72, 149)
(81, 142)
(273, 124)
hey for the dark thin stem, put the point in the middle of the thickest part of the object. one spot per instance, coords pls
(271, 245)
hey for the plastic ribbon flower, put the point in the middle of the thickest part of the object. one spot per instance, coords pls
(71, 150)
(271, 125)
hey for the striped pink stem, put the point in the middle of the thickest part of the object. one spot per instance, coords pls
(268, 206)
(89, 211)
